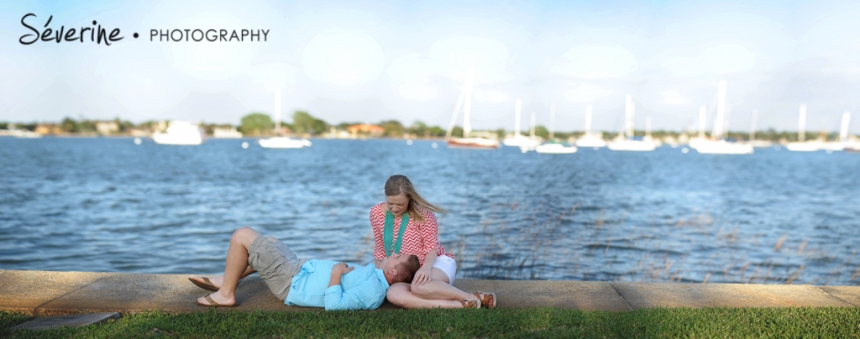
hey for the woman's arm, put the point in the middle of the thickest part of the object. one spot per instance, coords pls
(377, 222)
(430, 237)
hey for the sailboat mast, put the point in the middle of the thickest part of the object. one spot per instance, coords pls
(457, 108)
(721, 111)
(628, 116)
(587, 119)
(801, 124)
(517, 127)
(843, 131)
(702, 112)
(648, 127)
(467, 109)
(752, 125)
(278, 111)
(551, 120)
(532, 130)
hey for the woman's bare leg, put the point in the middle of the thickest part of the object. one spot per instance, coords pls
(436, 293)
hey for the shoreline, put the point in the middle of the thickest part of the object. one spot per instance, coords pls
(48, 293)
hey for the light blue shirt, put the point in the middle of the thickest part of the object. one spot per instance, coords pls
(361, 289)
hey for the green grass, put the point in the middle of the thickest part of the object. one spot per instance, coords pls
(517, 323)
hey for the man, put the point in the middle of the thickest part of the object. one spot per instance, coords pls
(302, 282)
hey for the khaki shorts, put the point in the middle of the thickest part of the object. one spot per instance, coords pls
(275, 263)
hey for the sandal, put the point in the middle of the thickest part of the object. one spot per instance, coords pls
(488, 300)
(206, 284)
(212, 303)
(470, 303)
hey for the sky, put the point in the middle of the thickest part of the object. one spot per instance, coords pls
(369, 61)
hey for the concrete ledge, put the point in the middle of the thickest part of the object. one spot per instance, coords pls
(645, 295)
(43, 293)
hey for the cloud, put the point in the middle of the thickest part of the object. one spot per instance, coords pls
(672, 97)
(343, 57)
(274, 76)
(452, 57)
(410, 76)
(489, 95)
(586, 93)
(596, 62)
(716, 60)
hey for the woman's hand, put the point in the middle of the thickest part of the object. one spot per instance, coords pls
(422, 276)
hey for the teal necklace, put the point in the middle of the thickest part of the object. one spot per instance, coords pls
(388, 233)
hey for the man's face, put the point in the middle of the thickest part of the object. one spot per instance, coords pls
(391, 262)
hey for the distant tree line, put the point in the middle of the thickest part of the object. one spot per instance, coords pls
(303, 123)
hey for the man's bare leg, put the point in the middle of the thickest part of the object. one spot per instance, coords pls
(235, 267)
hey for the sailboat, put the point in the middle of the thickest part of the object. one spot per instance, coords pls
(180, 133)
(753, 142)
(719, 145)
(590, 139)
(625, 141)
(843, 136)
(280, 141)
(801, 145)
(467, 141)
(699, 139)
(553, 147)
(534, 142)
(517, 139)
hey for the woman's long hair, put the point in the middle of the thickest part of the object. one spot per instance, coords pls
(399, 183)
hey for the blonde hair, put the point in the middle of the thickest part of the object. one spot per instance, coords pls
(399, 183)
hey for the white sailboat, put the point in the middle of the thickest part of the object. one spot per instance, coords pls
(625, 141)
(590, 139)
(699, 139)
(843, 141)
(180, 133)
(719, 145)
(467, 141)
(534, 142)
(517, 139)
(281, 141)
(801, 145)
(753, 142)
(552, 147)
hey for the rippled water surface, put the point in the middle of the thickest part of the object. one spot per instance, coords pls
(110, 205)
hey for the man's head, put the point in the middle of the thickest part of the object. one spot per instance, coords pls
(400, 268)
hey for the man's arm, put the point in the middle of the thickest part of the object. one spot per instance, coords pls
(337, 272)
(368, 294)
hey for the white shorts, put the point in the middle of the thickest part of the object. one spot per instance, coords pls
(447, 265)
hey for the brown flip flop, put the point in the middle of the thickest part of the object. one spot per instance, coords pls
(212, 303)
(206, 284)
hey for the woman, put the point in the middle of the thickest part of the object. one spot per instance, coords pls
(405, 224)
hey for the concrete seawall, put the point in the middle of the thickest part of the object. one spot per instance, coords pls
(44, 293)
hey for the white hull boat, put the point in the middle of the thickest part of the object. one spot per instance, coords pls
(180, 133)
(723, 147)
(590, 140)
(284, 142)
(555, 149)
(624, 141)
(474, 143)
(811, 146)
(520, 140)
(631, 145)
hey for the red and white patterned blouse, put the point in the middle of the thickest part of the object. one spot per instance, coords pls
(420, 237)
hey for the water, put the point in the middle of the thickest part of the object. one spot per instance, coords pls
(107, 204)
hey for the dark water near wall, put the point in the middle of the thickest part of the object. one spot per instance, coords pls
(111, 205)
